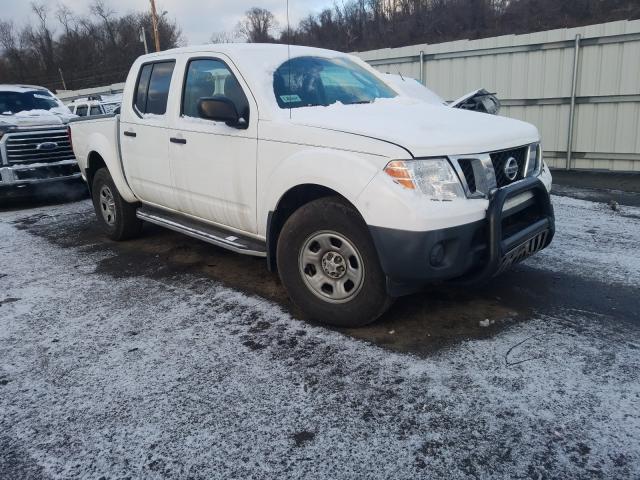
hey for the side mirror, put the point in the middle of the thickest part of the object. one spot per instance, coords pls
(219, 109)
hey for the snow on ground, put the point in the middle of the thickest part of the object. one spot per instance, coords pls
(182, 377)
(594, 241)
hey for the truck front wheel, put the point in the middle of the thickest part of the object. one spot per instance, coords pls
(116, 216)
(329, 265)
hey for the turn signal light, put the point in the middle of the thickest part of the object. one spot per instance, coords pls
(400, 174)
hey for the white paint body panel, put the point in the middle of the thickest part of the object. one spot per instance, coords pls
(214, 173)
(100, 136)
(235, 177)
(147, 167)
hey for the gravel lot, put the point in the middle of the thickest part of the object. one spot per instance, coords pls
(165, 357)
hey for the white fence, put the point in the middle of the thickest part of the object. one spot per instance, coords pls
(579, 86)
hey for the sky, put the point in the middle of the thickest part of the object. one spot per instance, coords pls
(198, 19)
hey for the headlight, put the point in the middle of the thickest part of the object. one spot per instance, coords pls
(534, 164)
(434, 177)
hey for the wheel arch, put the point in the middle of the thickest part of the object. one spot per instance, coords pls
(104, 156)
(294, 198)
(94, 163)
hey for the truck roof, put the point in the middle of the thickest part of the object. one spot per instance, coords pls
(269, 52)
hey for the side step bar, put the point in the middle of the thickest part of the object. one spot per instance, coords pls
(203, 231)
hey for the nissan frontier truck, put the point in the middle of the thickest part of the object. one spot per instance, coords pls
(353, 192)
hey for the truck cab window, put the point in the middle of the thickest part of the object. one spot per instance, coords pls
(159, 88)
(209, 78)
(81, 111)
(142, 87)
(152, 90)
(96, 111)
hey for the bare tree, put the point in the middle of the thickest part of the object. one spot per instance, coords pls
(98, 9)
(258, 25)
(92, 51)
(225, 37)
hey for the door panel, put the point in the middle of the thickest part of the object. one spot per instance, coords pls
(147, 165)
(145, 138)
(214, 165)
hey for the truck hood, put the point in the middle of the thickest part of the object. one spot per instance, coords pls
(36, 118)
(424, 130)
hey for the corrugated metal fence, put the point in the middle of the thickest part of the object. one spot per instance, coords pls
(582, 83)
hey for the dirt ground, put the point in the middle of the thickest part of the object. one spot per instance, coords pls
(165, 357)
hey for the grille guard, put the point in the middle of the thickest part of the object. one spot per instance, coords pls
(499, 249)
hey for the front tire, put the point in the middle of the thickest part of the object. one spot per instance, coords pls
(329, 265)
(117, 217)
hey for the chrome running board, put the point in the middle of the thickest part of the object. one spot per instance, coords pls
(202, 231)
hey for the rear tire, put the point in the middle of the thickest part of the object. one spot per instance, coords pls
(329, 265)
(117, 217)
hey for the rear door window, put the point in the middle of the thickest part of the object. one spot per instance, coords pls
(81, 111)
(140, 99)
(158, 91)
(96, 111)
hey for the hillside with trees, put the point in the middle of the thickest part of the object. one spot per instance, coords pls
(357, 25)
(89, 51)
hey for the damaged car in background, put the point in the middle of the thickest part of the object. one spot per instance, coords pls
(477, 100)
(35, 150)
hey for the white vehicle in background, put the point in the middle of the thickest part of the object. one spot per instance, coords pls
(34, 142)
(310, 158)
(95, 105)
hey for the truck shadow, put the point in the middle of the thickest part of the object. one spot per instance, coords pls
(16, 200)
(438, 317)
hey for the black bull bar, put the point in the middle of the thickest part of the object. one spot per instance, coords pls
(504, 252)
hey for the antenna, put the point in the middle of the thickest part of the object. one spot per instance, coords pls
(289, 51)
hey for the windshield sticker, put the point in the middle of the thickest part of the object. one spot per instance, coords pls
(290, 98)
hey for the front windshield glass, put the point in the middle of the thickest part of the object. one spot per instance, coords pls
(313, 81)
(14, 102)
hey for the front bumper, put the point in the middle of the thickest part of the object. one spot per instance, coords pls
(17, 178)
(474, 252)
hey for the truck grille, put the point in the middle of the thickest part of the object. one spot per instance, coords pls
(500, 159)
(482, 173)
(39, 146)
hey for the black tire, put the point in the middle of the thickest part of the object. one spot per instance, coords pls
(124, 223)
(322, 219)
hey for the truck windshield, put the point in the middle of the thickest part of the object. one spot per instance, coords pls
(13, 102)
(315, 81)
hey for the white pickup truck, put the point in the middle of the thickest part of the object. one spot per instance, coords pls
(354, 192)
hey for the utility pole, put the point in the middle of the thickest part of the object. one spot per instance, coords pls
(154, 21)
(64, 85)
(143, 38)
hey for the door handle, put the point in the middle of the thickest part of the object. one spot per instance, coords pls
(181, 141)
(129, 134)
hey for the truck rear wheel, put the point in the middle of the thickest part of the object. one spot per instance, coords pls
(116, 216)
(329, 265)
